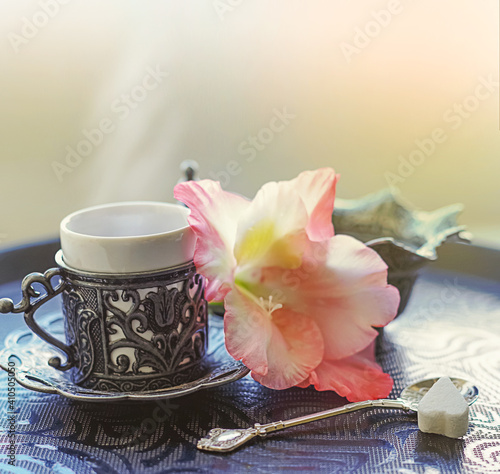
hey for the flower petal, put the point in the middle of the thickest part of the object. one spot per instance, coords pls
(357, 377)
(272, 228)
(280, 347)
(317, 190)
(247, 330)
(295, 348)
(351, 296)
(214, 217)
(346, 293)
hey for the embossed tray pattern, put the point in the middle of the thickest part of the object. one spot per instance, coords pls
(450, 326)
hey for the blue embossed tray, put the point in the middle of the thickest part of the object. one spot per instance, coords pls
(450, 325)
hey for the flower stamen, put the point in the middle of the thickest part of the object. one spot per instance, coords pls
(268, 305)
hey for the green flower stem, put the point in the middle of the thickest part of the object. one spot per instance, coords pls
(217, 307)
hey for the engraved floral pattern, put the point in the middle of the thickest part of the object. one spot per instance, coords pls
(146, 333)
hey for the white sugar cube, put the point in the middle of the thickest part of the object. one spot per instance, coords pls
(443, 410)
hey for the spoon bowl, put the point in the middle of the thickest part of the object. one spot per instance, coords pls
(412, 394)
(224, 440)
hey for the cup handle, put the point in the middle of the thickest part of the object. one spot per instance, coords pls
(29, 307)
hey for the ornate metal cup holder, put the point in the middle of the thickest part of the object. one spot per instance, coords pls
(30, 355)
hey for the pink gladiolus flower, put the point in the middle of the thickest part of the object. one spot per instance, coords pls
(301, 303)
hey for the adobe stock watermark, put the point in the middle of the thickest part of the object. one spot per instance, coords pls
(249, 148)
(364, 35)
(30, 27)
(450, 292)
(121, 107)
(222, 7)
(453, 118)
(11, 413)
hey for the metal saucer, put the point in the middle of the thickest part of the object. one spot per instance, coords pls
(30, 355)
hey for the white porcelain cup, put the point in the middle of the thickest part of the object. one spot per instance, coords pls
(134, 307)
(127, 237)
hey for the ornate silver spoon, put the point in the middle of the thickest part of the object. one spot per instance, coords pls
(223, 440)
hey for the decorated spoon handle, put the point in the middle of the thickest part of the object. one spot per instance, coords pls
(224, 440)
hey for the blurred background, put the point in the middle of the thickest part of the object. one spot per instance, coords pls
(100, 101)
